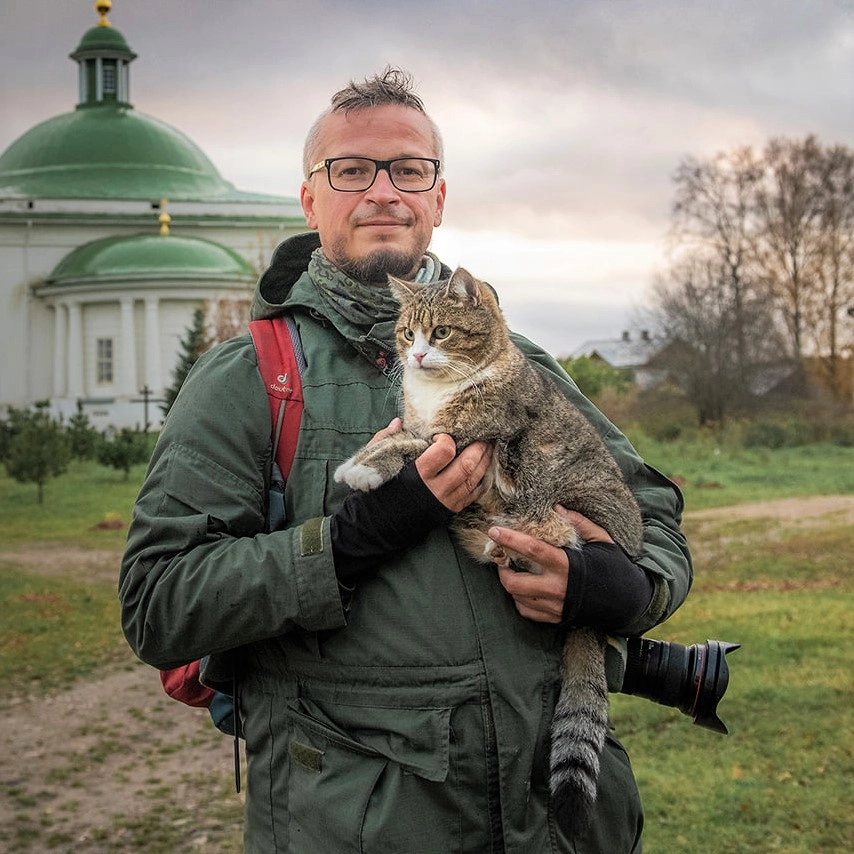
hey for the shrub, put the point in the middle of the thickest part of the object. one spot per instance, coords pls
(780, 433)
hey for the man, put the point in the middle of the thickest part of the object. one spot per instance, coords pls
(394, 696)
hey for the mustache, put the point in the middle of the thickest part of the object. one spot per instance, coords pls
(381, 217)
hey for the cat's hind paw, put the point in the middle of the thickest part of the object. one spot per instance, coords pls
(358, 476)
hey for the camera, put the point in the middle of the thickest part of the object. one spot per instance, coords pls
(691, 678)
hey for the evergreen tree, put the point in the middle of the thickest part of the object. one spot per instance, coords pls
(82, 436)
(193, 344)
(38, 449)
(122, 449)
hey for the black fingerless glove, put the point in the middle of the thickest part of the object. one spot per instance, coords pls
(372, 526)
(606, 590)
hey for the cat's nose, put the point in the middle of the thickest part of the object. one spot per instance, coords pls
(419, 357)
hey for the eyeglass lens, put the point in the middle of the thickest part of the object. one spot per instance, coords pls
(411, 174)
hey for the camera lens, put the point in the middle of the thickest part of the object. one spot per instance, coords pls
(691, 678)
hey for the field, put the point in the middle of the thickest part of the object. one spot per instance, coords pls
(94, 758)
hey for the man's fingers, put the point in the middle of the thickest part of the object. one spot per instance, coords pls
(539, 552)
(394, 426)
(537, 597)
(436, 457)
(589, 531)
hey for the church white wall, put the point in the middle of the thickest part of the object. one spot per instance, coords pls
(29, 252)
(40, 349)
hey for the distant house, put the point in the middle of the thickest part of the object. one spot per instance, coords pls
(644, 356)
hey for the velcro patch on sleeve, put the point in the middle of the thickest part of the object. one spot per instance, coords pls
(311, 537)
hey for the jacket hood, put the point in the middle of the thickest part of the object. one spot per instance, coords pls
(289, 262)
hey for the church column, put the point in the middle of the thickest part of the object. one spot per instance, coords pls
(60, 349)
(76, 387)
(152, 344)
(127, 360)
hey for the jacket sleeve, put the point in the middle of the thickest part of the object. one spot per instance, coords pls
(200, 575)
(665, 554)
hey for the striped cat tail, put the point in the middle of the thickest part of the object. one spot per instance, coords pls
(578, 730)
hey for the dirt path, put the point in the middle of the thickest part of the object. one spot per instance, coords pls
(784, 509)
(113, 765)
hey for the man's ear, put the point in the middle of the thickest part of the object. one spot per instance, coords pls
(440, 204)
(306, 197)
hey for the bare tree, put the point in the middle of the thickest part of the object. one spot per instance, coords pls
(695, 308)
(712, 216)
(712, 298)
(829, 325)
(787, 239)
(774, 234)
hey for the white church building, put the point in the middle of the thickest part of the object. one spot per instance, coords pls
(114, 228)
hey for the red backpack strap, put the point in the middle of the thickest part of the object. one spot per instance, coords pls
(280, 362)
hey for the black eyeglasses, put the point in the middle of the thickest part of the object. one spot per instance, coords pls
(357, 174)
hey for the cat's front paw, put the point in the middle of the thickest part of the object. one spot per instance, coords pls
(358, 476)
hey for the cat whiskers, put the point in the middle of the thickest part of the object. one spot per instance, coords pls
(476, 378)
(394, 372)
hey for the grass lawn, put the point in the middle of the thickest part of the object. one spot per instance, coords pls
(713, 474)
(781, 781)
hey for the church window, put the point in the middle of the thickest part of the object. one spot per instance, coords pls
(104, 360)
(109, 78)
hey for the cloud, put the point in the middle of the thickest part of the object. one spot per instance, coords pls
(563, 120)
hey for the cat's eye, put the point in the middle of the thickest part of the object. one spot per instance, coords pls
(408, 334)
(441, 332)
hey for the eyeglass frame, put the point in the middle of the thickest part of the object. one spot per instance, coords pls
(379, 165)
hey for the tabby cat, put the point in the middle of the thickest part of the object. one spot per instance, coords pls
(463, 375)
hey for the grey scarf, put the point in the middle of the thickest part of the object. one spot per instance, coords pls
(362, 305)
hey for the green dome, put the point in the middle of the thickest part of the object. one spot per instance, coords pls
(150, 257)
(102, 40)
(108, 152)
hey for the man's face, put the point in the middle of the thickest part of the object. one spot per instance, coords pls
(380, 230)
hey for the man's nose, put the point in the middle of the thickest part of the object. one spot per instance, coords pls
(383, 185)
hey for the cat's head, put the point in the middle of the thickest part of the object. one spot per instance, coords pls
(451, 327)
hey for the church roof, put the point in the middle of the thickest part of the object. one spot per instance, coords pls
(111, 152)
(102, 38)
(150, 257)
(105, 149)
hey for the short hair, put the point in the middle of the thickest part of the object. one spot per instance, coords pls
(392, 86)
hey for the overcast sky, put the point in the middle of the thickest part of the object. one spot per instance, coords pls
(563, 120)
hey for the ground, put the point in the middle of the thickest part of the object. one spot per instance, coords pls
(113, 765)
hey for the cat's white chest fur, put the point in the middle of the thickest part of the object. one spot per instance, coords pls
(425, 397)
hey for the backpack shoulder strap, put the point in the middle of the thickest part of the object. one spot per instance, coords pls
(281, 363)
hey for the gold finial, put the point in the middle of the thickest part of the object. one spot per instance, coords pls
(164, 219)
(102, 7)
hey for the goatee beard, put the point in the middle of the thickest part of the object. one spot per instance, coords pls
(378, 266)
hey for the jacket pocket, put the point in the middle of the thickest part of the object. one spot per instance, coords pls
(373, 779)
(204, 488)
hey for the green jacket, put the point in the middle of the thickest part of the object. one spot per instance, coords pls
(410, 715)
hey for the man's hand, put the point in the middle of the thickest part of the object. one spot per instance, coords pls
(541, 597)
(454, 479)
(394, 426)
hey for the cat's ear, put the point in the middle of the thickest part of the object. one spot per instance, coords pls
(464, 285)
(402, 290)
